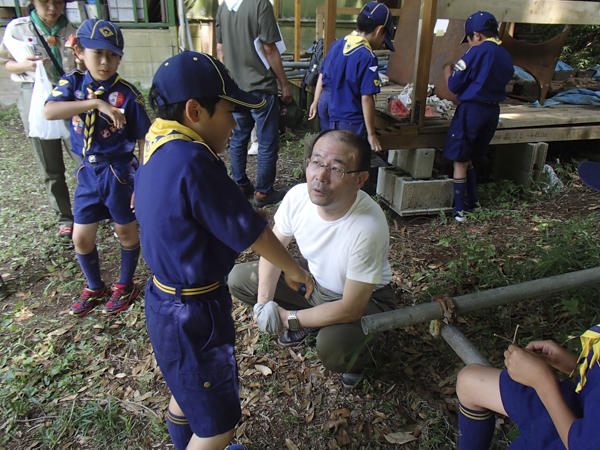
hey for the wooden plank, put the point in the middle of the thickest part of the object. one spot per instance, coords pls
(546, 134)
(354, 11)
(297, 17)
(423, 60)
(329, 35)
(525, 11)
(525, 117)
(319, 26)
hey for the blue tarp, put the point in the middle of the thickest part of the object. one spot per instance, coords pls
(572, 97)
(526, 76)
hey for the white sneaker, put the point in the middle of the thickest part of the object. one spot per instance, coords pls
(253, 150)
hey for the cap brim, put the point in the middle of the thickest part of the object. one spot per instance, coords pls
(100, 45)
(244, 101)
(589, 173)
(389, 44)
(465, 39)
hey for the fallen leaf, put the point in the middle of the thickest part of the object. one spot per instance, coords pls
(290, 445)
(400, 437)
(264, 370)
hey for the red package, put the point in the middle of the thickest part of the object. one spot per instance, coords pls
(397, 108)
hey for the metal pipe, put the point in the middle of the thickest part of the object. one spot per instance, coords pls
(399, 318)
(462, 346)
(296, 65)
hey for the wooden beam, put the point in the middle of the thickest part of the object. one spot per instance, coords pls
(525, 11)
(276, 9)
(319, 26)
(330, 18)
(354, 11)
(423, 60)
(513, 136)
(297, 16)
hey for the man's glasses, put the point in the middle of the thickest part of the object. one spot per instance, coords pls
(315, 165)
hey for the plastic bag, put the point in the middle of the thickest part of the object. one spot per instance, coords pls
(19, 50)
(38, 126)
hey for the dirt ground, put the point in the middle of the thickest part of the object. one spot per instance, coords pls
(288, 399)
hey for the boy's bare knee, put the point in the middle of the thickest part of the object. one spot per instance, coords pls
(465, 381)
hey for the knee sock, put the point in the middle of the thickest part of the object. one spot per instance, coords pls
(460, 185)
(90, 265)
(129, 261)
(471, 187)
(475, 429)
(179, 430)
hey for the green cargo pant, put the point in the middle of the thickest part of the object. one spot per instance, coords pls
(49, 156)
(341, 347)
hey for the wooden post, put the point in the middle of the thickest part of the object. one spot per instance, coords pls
(330, 19)
(319, 26)
(297, 24)
(276, 9)
(423, 60)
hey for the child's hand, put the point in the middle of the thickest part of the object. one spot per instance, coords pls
(132, 202)
(554, 354)
(374, 143)
(115, 114)
(527, 367)
(312, 113)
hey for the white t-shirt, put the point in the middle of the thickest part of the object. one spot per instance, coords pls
(355, 246)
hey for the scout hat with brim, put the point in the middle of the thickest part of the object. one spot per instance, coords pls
(193, 75)
(480, 21)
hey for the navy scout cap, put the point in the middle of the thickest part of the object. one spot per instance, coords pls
(480, 21)
(193, 75)
(589, 173)
(101, 35)
(380, 14)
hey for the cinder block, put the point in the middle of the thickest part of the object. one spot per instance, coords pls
(417, 162)
(520, 163)
(136, 38)
(408, 196)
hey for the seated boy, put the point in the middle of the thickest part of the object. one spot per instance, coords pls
(194, 221)
(351, 72)
(107, 120)
(479, 81)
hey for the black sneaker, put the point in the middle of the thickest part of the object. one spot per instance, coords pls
(247, 190)
(474, 208)
(269, 198)
(351, 379)
(291, 338)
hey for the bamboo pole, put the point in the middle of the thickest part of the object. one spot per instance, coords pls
(399, 318)
(462, 346)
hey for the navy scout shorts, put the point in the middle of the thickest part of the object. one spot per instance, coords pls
(104, 190)
(472, 128)
(193, 337)
(359, 128)
(524, 407)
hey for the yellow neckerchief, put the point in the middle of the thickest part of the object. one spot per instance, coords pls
(90, 116)
(163, 131)
(353, 41)
(590, 353)
(495, 40)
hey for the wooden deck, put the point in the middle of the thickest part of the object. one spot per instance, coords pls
(518, 124)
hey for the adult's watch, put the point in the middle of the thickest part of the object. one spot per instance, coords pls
(293, 323)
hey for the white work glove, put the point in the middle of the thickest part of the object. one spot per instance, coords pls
(267, 317)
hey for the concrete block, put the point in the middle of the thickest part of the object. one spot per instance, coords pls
(137, 38)
(407, 196)
(520, 163)
(417, 162)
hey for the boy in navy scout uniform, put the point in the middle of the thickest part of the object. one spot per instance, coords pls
(479, 81)
(194, 222)
(353, 75)
(107, 120)
(551, 415)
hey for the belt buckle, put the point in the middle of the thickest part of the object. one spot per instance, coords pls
(92, 159)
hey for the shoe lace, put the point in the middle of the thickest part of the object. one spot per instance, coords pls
(119, 291)
(65, 230)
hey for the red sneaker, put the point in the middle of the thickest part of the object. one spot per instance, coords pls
(65, 233)
(121, 298)
(89, 300)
